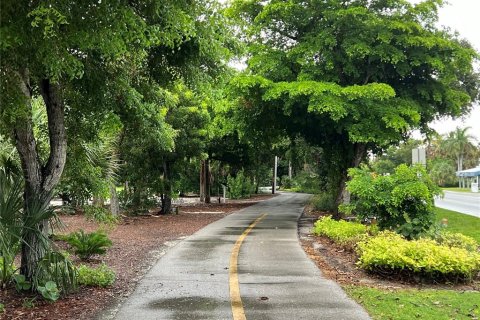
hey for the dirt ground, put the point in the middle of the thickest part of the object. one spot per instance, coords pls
(338, 264)
(136, 245)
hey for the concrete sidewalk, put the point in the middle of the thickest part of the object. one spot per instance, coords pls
(276, 278)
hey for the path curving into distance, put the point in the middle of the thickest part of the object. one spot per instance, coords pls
(248, 265)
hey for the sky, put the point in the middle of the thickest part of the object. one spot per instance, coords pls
(462, 16)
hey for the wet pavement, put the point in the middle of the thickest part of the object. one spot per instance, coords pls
(276, 278)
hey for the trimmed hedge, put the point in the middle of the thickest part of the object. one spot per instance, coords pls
(341, 232)
(389, 252)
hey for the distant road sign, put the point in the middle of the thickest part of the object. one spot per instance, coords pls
(419, 155)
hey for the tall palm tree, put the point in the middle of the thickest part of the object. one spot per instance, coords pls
(458, 143)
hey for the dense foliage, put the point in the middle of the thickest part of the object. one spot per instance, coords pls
(239, 186)
(402, 201)
(349, 76)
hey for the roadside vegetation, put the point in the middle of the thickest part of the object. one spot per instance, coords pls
(397, 235)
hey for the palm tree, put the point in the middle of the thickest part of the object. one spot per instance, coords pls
(458, 143)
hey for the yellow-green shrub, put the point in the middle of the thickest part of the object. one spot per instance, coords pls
(342, 232)
(456, 240)
(390, 252)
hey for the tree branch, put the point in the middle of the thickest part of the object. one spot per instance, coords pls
(25, 139)
(53, 99)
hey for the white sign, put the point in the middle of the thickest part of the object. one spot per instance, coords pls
(474, 187)
(419, 155)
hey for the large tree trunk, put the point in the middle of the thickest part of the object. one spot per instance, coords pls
(39, 180)
(343, 196)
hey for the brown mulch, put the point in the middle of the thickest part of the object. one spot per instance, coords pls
(339, 264)
(136, 244)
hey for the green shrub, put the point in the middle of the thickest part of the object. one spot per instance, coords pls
(342, 232)
(49, 291)
(456, 240)
(287, 182)
(306, 182)
(101, 276)
(402, 201)
(86, 245)
(125, 198)
(7, 270)
(389, 252)
(323, 201)
(2, 308)
(58, 268)
(239, 186)
(100, 215)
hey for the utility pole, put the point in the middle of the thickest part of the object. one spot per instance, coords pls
(274, 182)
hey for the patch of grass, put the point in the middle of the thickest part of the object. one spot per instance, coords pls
(459, 222)
(410, 304)
(457, 189)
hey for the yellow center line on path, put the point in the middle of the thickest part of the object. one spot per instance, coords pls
(235, 298)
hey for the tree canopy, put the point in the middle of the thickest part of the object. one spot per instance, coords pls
(351, 76)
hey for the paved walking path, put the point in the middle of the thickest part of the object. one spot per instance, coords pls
(268, 275)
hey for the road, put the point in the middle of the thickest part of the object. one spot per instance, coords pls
(248, 265)
(468, 203)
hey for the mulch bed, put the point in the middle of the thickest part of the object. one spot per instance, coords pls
(136, 241)
(339, 264)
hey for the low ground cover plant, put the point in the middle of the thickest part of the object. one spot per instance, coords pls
(341, 232)
(101, 276)
(390, 253)
(49, 291)
(457, 240)
(444, 257)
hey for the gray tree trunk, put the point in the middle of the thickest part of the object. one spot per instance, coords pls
(114, 204)
(40, 180)
(343, 195)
